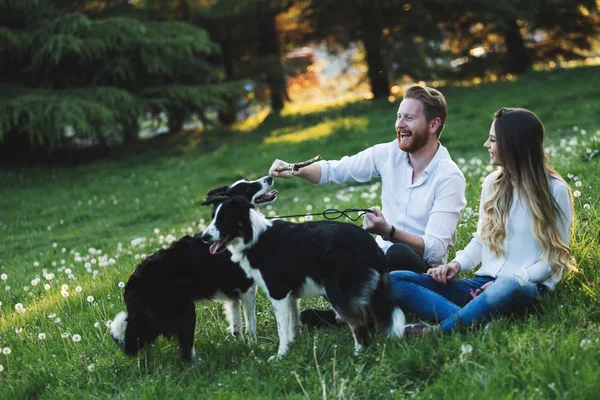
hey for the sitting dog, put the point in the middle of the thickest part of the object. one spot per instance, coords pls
(161, 291)
(289, 261)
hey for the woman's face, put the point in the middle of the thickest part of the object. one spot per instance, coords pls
(490, 145)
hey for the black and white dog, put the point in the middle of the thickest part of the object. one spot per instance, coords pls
(161, 291)
(289, 261)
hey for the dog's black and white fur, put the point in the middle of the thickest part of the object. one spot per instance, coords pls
(161, 291)
(289, 261)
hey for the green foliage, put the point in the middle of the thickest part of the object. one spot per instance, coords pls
(125, 209)
(96, 76)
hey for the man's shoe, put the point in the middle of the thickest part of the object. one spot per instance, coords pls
(418, 330)
(315, 318)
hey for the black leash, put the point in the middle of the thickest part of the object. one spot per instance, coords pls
(332, 213)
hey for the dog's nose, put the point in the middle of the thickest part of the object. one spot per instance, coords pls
(269, 180)
(206, 237)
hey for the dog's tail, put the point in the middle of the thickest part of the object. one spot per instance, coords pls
(389, 316)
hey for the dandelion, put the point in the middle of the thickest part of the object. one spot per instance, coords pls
(78, 289)
(1, 368)
(19, 306)
(90, 299)
(64, 287)
(76, 338)
(34, 282)
(308, 218)
(584, 344)
(54, 245)
(156, 231)
(47, 286)
(586, 206)
(97, 325)
(326, 199)
(42, 336)
(578, 183)
(296, 199)
(64, 335)
(576, 193)
(18, 330)
(91, 367)
(57, 320)
(68, 271)
(4, 277)
(52, 315)
(36, 264)
(7, 288)
(465, 350)
(121, 285)
(309, 207)
(64, 293)
(6, 351)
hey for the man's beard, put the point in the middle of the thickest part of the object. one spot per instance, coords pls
(416, 143)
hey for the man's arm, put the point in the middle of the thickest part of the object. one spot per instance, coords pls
(311, 173)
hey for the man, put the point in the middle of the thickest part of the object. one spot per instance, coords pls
(422, 191)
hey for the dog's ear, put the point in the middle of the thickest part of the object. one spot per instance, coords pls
(217, 191)
(242, 201)
(211, 200)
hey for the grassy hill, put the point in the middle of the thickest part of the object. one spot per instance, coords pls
(86, 226)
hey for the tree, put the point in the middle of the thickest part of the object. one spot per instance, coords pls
(67, 72)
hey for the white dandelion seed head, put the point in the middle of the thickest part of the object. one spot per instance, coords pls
(6, 351)
(18, 330)
(36, 264)
(64, 287)
(7, 288)
(68, 271)
(42, 336)
(466, 348)
(576, 193)
(57, 320)
(308, 218)
(586, 206)
(578, 183)
(47, 286)
(1, 368)
(91, 367)
(309, 207)
(4, 277)
(97, 325)
(52, 315)
(78, 289)
(54, 244)
(121, 285)
(90, 299)
(585, 343)
(76, 338)
(18, 306)
(326, 199)
(64, 335)
(64, 293)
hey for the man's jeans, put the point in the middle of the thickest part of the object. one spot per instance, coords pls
(452, 304)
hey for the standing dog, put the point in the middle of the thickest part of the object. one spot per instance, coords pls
(161, 291)
(290, 261)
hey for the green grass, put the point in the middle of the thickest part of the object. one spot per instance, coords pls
(90, 219)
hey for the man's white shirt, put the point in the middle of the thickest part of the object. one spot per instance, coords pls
(429, 208)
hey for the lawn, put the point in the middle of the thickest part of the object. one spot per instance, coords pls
(72, 234)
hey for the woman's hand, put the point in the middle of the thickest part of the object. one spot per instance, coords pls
(475, 293)
(444, 272)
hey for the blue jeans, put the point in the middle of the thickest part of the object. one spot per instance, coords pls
(452, 304)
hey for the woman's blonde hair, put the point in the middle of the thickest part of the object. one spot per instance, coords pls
(524, 167)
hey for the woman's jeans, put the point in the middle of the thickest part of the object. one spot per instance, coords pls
(452, 304)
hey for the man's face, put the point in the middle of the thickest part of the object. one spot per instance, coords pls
(412, 128)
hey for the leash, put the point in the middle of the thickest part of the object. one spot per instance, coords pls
(332, 213)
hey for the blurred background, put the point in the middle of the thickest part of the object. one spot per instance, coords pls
(93, 74)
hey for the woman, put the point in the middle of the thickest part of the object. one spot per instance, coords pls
(522, 239)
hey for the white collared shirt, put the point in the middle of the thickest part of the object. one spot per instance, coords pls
(430, 208)
(523, 253)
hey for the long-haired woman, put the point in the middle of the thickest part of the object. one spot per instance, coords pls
(522, 239)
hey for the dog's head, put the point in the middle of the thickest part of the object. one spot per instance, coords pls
(258, 192)
(230, 220)
(233, 218)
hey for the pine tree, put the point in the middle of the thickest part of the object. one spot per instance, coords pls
(95, 76)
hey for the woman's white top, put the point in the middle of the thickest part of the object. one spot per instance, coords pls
(523, 253)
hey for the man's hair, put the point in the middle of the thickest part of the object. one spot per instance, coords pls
(434, 103)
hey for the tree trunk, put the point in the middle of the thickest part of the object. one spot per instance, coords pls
(518, 59)
(374, 47)
(269, 48)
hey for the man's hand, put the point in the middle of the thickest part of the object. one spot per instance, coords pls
(283, 174)
(375, 222)
(444, 272)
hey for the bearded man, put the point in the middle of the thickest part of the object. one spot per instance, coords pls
(422, 189)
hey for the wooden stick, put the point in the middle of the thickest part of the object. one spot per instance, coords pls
(296, 166)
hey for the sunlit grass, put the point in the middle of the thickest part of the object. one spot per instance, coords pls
(316, 132)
